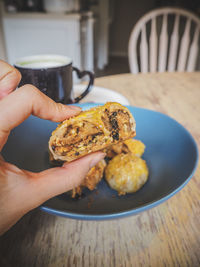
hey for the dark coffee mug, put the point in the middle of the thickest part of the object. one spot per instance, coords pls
(53, 75)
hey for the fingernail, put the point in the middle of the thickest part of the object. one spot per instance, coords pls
(75, 108)
(97, 158)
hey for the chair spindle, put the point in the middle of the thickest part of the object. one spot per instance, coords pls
(174, 45)
(193, 51)
(153, 46)
(184, 45)
(163, 44)
(144, 51)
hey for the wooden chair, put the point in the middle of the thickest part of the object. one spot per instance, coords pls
(155, 52)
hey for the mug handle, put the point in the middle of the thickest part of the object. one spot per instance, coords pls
(80, 75)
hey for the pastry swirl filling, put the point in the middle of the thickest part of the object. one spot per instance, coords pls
(96, 130)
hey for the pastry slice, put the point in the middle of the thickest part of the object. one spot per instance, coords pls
(93, 177)
(91, 130)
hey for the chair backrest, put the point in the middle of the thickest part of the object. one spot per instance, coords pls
(166, 51)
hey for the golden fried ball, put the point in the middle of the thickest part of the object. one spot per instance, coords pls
(135, 146)
(130, 145)
(126, 173)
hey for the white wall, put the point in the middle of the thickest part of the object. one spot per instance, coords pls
(2, 42)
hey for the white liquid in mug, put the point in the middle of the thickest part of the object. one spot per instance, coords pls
(43, 62)
(38, 65)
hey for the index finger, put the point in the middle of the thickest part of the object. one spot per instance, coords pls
(27, 100)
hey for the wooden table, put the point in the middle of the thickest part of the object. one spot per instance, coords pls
(168, 235)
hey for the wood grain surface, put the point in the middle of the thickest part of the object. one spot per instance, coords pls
(168, 235)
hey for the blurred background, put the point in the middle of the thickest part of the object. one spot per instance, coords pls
(94, 33)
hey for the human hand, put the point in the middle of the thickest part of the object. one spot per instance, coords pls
(21, 190)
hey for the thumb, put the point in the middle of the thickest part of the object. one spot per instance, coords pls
(55, 181)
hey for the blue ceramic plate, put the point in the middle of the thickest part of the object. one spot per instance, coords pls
(171, 154)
